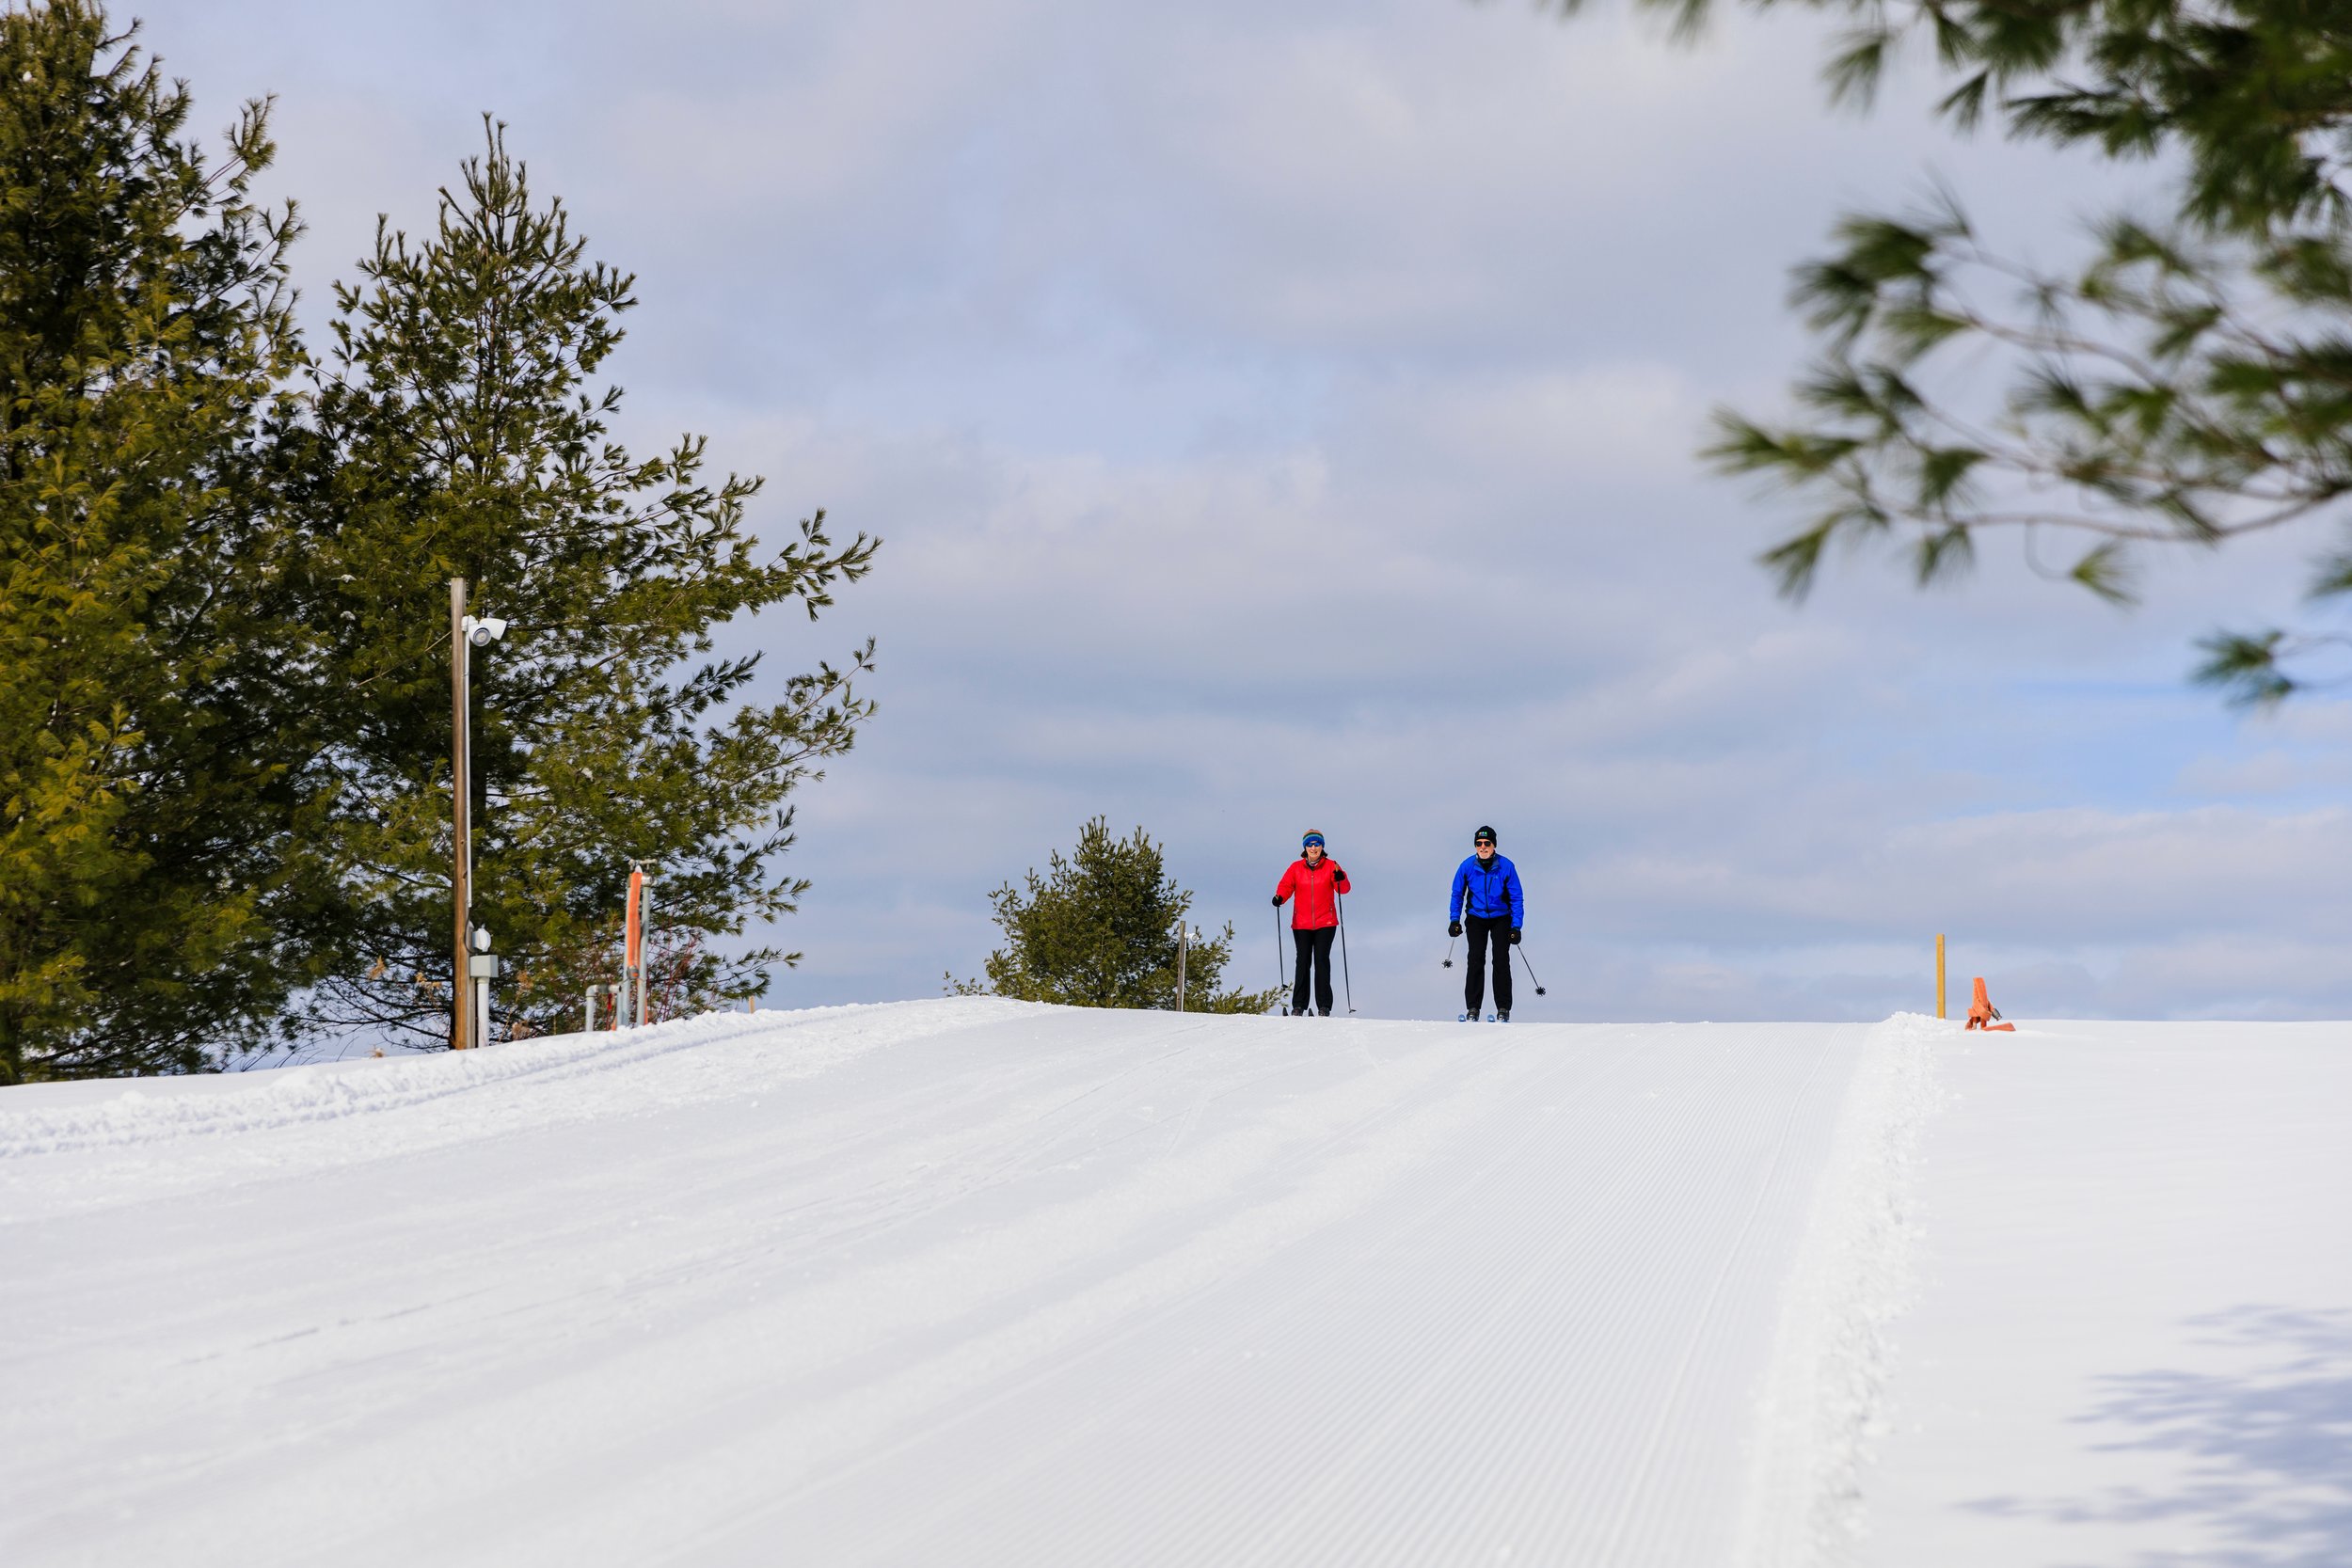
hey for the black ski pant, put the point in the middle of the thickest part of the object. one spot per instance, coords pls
(1314, 950)
(1482, 929)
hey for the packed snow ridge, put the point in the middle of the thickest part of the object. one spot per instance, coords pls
(969, 1281)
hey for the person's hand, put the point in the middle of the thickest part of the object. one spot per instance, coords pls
(1278, 901)
(1454, 927)
(1515, 936)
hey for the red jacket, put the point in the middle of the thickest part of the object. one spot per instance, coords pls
(1315, 885)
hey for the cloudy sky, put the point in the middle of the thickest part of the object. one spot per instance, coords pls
(1280, 414)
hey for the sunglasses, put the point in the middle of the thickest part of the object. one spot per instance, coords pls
(1482, 844)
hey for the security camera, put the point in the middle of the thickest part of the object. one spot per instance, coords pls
(480, 940)
(484, 630)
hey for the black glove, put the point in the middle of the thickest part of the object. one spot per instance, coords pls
(1454, 927)
(1515, 936)
(1278, 901)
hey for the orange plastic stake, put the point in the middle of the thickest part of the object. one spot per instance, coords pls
(1982, 1014)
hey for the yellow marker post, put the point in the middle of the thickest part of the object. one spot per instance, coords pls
(1939, 974)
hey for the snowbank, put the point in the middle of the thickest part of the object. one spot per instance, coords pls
(1824, 1404)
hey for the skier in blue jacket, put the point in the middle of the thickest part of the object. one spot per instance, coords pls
(1488, 897)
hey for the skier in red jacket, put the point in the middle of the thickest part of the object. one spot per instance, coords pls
(1317, 882)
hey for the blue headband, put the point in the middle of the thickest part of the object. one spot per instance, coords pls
(1310, 838)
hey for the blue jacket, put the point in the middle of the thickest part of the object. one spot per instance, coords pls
(1489, 889)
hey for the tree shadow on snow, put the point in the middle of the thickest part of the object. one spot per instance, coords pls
(2271, 1447)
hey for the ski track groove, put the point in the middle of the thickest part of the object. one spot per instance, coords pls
(1628, 1199)
(1275, 1475)
(1667, 1406)
(944, 1504)
(1446, 1490)
(1414, 1354)
(1336, 1415)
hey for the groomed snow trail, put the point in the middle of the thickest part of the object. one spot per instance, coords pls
(960, 1282)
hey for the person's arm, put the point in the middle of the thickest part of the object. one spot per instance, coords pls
(1290, 878)
(1461, 888)
(1339, 878)
(1519, 901)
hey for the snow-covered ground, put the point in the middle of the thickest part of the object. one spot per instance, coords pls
(970, 1282)
(2133, 1340)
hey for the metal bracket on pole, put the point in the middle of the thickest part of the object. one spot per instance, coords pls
(482, 966)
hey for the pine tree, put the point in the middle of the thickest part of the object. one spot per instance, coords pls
(152, 771)
(2190, 383)
(1098, 930)
(462, 429)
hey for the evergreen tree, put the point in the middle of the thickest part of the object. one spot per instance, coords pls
(461, 429)
(2190, 383)
(153, 772)
(1098, 930)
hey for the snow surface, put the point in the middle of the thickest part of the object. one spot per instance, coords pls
(971, 1282)
(2133, 1338)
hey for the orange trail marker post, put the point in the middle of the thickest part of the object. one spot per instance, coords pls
(1982, 1014)
(630, 1011)
(1939, 974)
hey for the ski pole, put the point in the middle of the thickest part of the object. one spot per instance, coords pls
(1339, 902)
(1279, 980)
(1449, 953)
(1531, 969)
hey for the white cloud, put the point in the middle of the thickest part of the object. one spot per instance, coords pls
(1550, 429)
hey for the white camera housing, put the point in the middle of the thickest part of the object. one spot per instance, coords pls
(484, 630)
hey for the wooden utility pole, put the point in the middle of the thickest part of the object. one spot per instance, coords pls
(461, 780)
(1184, 948)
